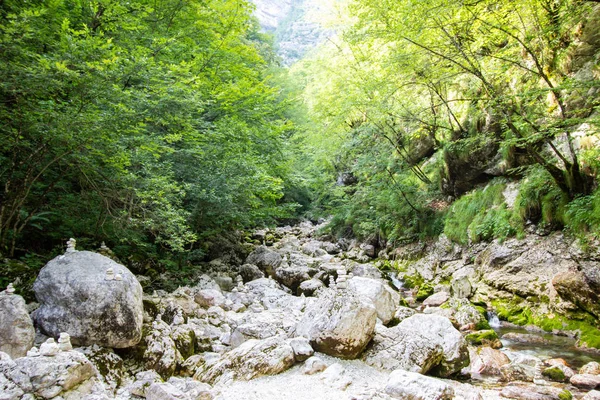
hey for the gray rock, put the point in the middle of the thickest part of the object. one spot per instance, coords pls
(310, 287)
(265, 259)
(270, 294)
(383, 298)
(16, 328)
(291, 276)
(335, 376)
(436, 299)
(461, 287)
(399, 348)
(250, 272)
(408, 385)
(339, 323)
(193, 389)
(439, 330)
(165, 391)
(143, 380)
(108, 364)
(403, 312)
(76, 297)
(592, 395)
(585, 381)
(209, 297)
(250, 360)
(161, 353)
(531, 392)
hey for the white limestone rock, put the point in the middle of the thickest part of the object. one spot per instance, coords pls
(76, 298)
(16, 328)
(383, 298)
(302, 348)
(340, 323)
(250, 360)
(400, 348)
(413, 386)
(439, 330)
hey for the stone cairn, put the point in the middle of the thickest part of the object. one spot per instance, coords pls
(342, 279)
(10, 289)
(50, 348)
(64, 342)
(71, 243)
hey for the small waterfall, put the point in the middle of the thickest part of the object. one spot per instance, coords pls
(493, 319)
(395, 281)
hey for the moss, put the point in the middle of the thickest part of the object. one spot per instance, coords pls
(517, 312)
(413, 281)
(425, 290)
(565, 395)
(554, 374)
(482, 325)
(480, 215)
(481, 337)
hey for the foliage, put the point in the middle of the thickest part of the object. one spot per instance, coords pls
(493, 84)
(479, 215)
(583, 216)
(148, 125)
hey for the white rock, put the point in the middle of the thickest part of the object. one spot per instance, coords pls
(302, 348)
(439, 330)
(383, 298)
(49, 348)
(16, 328)
(75, 298)
(397, 347)
(251, 359)
(413, 386)
(339, 324)
(314, 365)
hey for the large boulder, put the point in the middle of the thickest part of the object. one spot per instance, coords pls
(413, 386)
(79, 295)
(265, 259)
(250, 360)
(340, 323)
(16, 328)
(439, 330)
(399, 348)
(383, 298)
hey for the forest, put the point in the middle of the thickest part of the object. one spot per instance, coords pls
(167, 129)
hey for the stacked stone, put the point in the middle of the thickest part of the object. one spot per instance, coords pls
(332, 284)
(342, 279)
(10, 289)
(64, 342)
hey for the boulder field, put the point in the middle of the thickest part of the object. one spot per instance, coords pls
(301, 318)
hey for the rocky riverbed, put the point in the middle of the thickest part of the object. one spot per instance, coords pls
(309, 318)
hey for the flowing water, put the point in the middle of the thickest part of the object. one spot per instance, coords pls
(552, 346)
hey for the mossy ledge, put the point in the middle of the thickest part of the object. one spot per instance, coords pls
(581, 324)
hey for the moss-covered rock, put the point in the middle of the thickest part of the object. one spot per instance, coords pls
(555, 374)
(425, 290)
(565, 395)
(482, 337)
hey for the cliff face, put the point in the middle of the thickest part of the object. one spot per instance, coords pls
(271, 12)
(294, 25)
